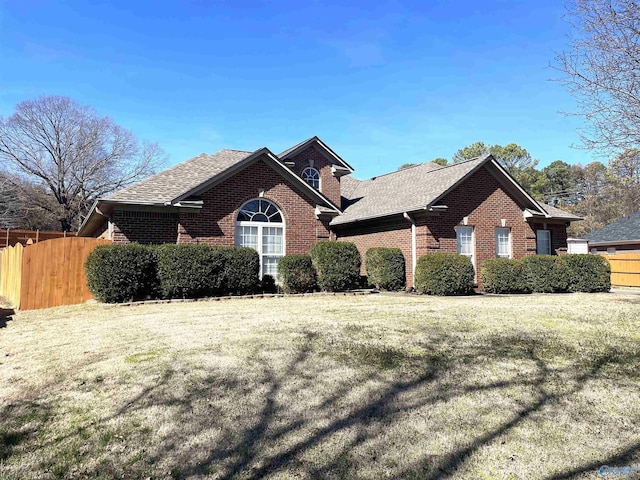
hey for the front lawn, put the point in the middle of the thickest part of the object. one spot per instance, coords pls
(538, 386)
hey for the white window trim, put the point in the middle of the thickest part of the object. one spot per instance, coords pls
(259, 245)
(261, 225)
(508, 230)
(473, 243)
(548, 232)
(319, 177)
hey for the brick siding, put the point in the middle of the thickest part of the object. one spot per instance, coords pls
(144, 227)
(329, 184)
(215, 223)
(485, 203)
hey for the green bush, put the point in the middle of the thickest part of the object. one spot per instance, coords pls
(545, 273)
(386, 268)
(268, 284)
(503, 275)
(190, 271)
(296, 274)
(337, 265)
(241, 270)
(444, 274)
(588, 273)
(122, 273)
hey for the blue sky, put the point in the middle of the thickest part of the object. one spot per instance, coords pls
(383, 83)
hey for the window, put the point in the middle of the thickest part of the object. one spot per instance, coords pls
(544, 242)
(260, 226)
(464, 237)
(611, 251)
(312, 177)
(503, 242)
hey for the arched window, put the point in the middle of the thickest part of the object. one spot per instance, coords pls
(260, 225)
(312, 177)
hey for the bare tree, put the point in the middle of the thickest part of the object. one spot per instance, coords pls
(602, 71)
(75, 154)
(9, 204)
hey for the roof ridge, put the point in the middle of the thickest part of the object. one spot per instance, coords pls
(229, 150)
(463, 161)
(438, 168)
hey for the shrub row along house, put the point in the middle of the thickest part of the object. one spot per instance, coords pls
(283, 204)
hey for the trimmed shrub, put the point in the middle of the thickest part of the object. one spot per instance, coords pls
(268, 284)
(241, 270)
(503, 275)
(588, 273)
(444, 274)
(337, 265)
(190, 271)
(122, 273)
(545, 273)
(296, 274)
(386, 268)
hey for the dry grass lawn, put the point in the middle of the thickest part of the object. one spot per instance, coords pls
(376, 386)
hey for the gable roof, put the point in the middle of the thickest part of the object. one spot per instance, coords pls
(174, 187)
(170, 184)
(290, 152)
(626, 229)
(406, 190)
(421, 187)
(558, 213)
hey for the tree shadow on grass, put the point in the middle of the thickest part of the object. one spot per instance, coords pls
(325, 438)
(6, 315)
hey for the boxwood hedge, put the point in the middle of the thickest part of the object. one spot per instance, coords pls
(241, 270)
(503, 275)
(444, 274)
(545, 273)
(337, 265)
(122, 273)
(386, 268)
(588, 273)
(191, 271)
(296, 274)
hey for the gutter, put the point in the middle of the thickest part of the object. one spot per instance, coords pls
(427, 208)
(612, 243)
(414, 253)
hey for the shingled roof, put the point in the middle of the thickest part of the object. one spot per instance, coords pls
(626, 229)
(169, 184)
(406, 190)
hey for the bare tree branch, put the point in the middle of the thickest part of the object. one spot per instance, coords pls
(602, 71)
(76, 154)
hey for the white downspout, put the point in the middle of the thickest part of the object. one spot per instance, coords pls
(413, 248)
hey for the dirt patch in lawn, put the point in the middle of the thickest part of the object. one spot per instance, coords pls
(540, 386)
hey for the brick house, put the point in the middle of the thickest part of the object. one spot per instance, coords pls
(621, 236)
(282, 204)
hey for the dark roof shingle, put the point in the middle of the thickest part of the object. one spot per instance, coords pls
(625, 229)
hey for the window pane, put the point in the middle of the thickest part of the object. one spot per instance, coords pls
(270, 266)
(503, 243)
(544, 242)
(465, 240)
(272, 240)
(247, 237)
(311, 176)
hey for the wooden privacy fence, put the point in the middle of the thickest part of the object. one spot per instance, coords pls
(625, 269)
(10, 237)
(51, 273)
(11, 273)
